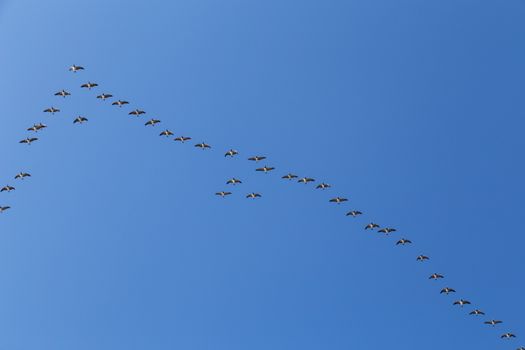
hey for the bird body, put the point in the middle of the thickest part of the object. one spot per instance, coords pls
(493, 322)
(2, 209)
(223, 193)
(306, 180)
(62, 93)
(29, 140)
(508, 336)
(371, 226)
(80, 120)
(354, 213)
(51, 110)
(323, 186)
(289, 176)
(104, 97)
(202, 145)
(265, 169)
(422, 258)
(461, 302)
(152, 122)
(22, 175)
(166, 133)
(75, 68)
(182, 139)
(257, 158)
(7, 189)
(447, 291)
(387, 230)
(136, 112)
(233, 181)
(231, 153)
(338, 200)
(120, 103)
(37, 127)
(477, 312)
(253, 195)
(436, 276)
(403, 241)
(89, 85)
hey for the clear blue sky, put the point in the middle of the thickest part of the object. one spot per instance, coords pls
(412, 109)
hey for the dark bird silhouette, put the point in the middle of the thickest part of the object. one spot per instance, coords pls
(22, 175)
(7, 189)
(223, 193)
(371, 226)
(447, 291)
(233, 181)
(354, 213)
(477, 312)
(62, 93)
(231, 153)
(166, 133)
(338, 200)
(387, 230)
(29, 140)
(37, 127)
(182, 139)
(521, 348)
(403, 241)
(104, 97)
(435, 276)
(253, 195)
(305, 180)
(289, 176)
(120, 103)
(422, 258)
(493, 323)
(152, 122)
(51, 110)
(137, 112)
(202, 145)
(323, 186)
(257, 158)
(461, 302)
(75, 68)
(265, 169)
(508, 336)
(80, 120)
(89, 85)
(2, 209)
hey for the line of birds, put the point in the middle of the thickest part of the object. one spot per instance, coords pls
(234, 181)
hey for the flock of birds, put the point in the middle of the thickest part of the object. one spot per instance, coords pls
(234, 181)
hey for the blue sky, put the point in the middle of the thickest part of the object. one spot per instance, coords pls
(411, 109)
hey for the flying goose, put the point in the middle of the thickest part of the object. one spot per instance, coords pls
(371, 226)
(447, 291)
(306, 180)
(338, 200)
(253, 195)
(51, 110)
(493, 323)
(182, 138)
(422, 258)
(508, 336)
(89, 85)
(354, 213)
(120, 103)
(2, 209)
(223, 194)
(289, 176)
(477, 312)
(137, 112)
(257, 158)
(62, 93)
(521, 348)
(29, 140)
(323, 186)
(7, 188)
(103, 97)
(233, 181)
(461, 302)
(387, 230)
(37, 127)
(202, 145)
(22, 175)
(80, 120)
(403, 241)
(166, 133)
(231, 153)
(265, 169)
(75, 68)
(435, 276)
(152, 122)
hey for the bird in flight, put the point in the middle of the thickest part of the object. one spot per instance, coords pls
(461, 302)
(257, 158)
(508, 336)
(202, 145)
(447, 291)
(223, 194)
(182, 139)
(306, 180)
(136, 112)
(231, 153)
(51, 110)
(253, 195)
(387, 230)
(289, 176)
(265, 169)
(493, 323)
(29, 140)
(166, 133)
(120, 103)
(338, 200)
(233, 181)
(354, 213)
(323, 186)
(75, 68)
(2, 209)
(403, 241)
(152, 122)
(62, 93)
(422, 258)
(22, 175)
(435, 276)
(80, 120)
(104, 97)
(7, 189)
(37, 127)
(89, 85)
(477, 312)
(371, 226)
